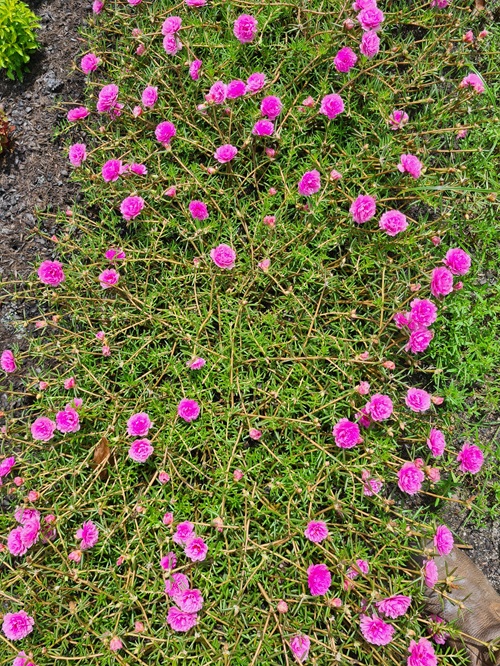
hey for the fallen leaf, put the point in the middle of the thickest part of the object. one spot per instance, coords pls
(101, 457)
(480, 4)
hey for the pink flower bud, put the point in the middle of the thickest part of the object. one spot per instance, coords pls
(436, 240)
(389, 365)
(237, 475)
(282, 606)
(349, 24)
(137, 111)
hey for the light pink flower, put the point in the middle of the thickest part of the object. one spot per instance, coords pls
(331, 106)
(245, 28)
(264, 265)
(394, 606)
(270, 221)
(177, 619)
(236, 88)
(370, 18)
(420, 338)
(198, 210)
(171, 24)
(371, 486)
(421, 653)
(69, 383)
(189, 601)
(300, 645)
(363, 567)
(237, 475)
(51, 272)
(370, 44)
(316, 531)
(171, 191)
(335, 175)
(17, 625)
(380, 407)
(471, 458)
(171, 44)
(223, 256)
(88, 535)
(271, 107)
(345, 59)
(430, 572)
(131, 207)
(164, 132)
(410, 164)
(255, 433)
(15, 543)
(22, 660)
(42, 429)
(109, 278)
(418, 400)
(443, 540)
(108, 97)
(89, 63)
(474, 81)
(263, 128)
(176, 584)
(97, 6)
(78, 113)
(195, 3)
(310, 183)
(149, 96)
(75, 556)
(375, 630)
(168, 519)
(363, 208)
(68, 420)
(319, 579)
(140, 450)
(112, 170)
(194, 69)
(115, 643)
(410, 478)
(363, 388)
(169, 561)
(282, 606)
(7, 361)
(196, 549)
(393, 222)
(184, 532)
(255, 82)
(398, 119)
(441, 282)
(225, 153)
(346, 434)
(458, 261)
(77, 154)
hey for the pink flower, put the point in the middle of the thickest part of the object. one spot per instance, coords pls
(51, 272)
(380, 407)
(370, 44)
(171, 24)
(319, 579)
(458, 261)
(189, 410)
(375, 630)
(78, 113)
(436, 442)
(225, 153)
(77, 154)
(270, 221)
(255, 82)
(282, 606)
(112, 170)
(198, 210)
(410, 478)
(421, 653)
(168, 519)
(171, 44)
(398, 119)
(69, 383)
(164, 132)
(335, 175)
(358, 5)
(175, 584)
(310, 183)
(393, 222)
(223, 256)
(370, 18)
(89, 63)
(263, 128)
(410, 164)
(441, 282)
(106, 351)
(15, 543)
(471, 458)
(194, 69)
(7, 361)
(196, 549)
(189, 601)
(363, 208)
(196, 363)
(75, 556)
(439, 637)
(140, 450)
(42, 429)
(134, 167)
(443, 540)
(363, 567)
(254, 433)
(184, 532)
(394, 606)
(363, 388)
(17, 625)
(419, 340)
(131, 207)
(109, 278)
(372, 486)
(138, 425)
(418, 400)
(331, 106)
(245, 28)
(264, 265)
(195, 3)
(149, 96)
(6, 465)
(468, 38)
(271, 107)
(23, 515)
(68, 420)
(217, 93)
(88, 534)
(442, 4)
(30, 532)
(237, 475)
(300, 645)
(316, 531)
(474, 81)
(169, 561)
(431, 575)
(423, 312)
(22, 660)
(345, 60)
(346, 434)
(177, 619)
(108, 97)
(171, 191)
(97, 6)
(235, 89)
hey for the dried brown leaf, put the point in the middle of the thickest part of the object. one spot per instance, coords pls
(102, 453)
(480, 5)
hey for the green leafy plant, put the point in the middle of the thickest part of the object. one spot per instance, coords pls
(17, 36)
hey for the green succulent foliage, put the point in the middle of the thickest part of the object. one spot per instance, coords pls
(17, 36)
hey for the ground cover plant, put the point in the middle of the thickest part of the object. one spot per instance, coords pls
(242, 407)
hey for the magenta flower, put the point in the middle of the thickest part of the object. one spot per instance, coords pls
(431, 575)
(198, 210)
(375, 630)
(134, 167)
(109, 278)
(398, 119)
(235, 89)
(77, 114)
(108, 97)
(371, 486)
(176, 584)
(423, 311)
(410, 478)
(217, 93)
(111, 170)
(131, 207)
(370, 18)
(169, 561)
(421, 653)
(442, 4)
(363, 208)
(177, 619)
(15, 543)
(195, 3)
(23, 515)
(363, 567)
(410, 164)
(189, 601)
(223, 256)
(271, 107)
(418, 400)
(138, 425)
(319, 579)
(358, 5)
(196, 549)
(164, 132)
(68, 420)
(458, 261)
(345, 60)
(194, 69)
(6, 465)
(473, 81)
(370, 44)
(171, 44)
(471, 458)
(225, 153)
(420, 338)
(436, 442)
(263, 128)
(168, 517)
(88, 535)
(140, 450)
(30, 532)
(77, 154)
(331, 106)
(380, 407)
(149, 96)
(255, 82)
(300, 645)
(51, 273)
(245, 28)
(439, 637)
(171, 24)
(189, 410)
(346, 434)
(89, 63)
(310, 183)
(316, 531)
(7, 361)
(393, 222)
(17, 625)
(395, 606)
(97, 6)
(443, 540)
(42, 429)
(114, 254)
(184, 532)
(196, 363)
(441, 282)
